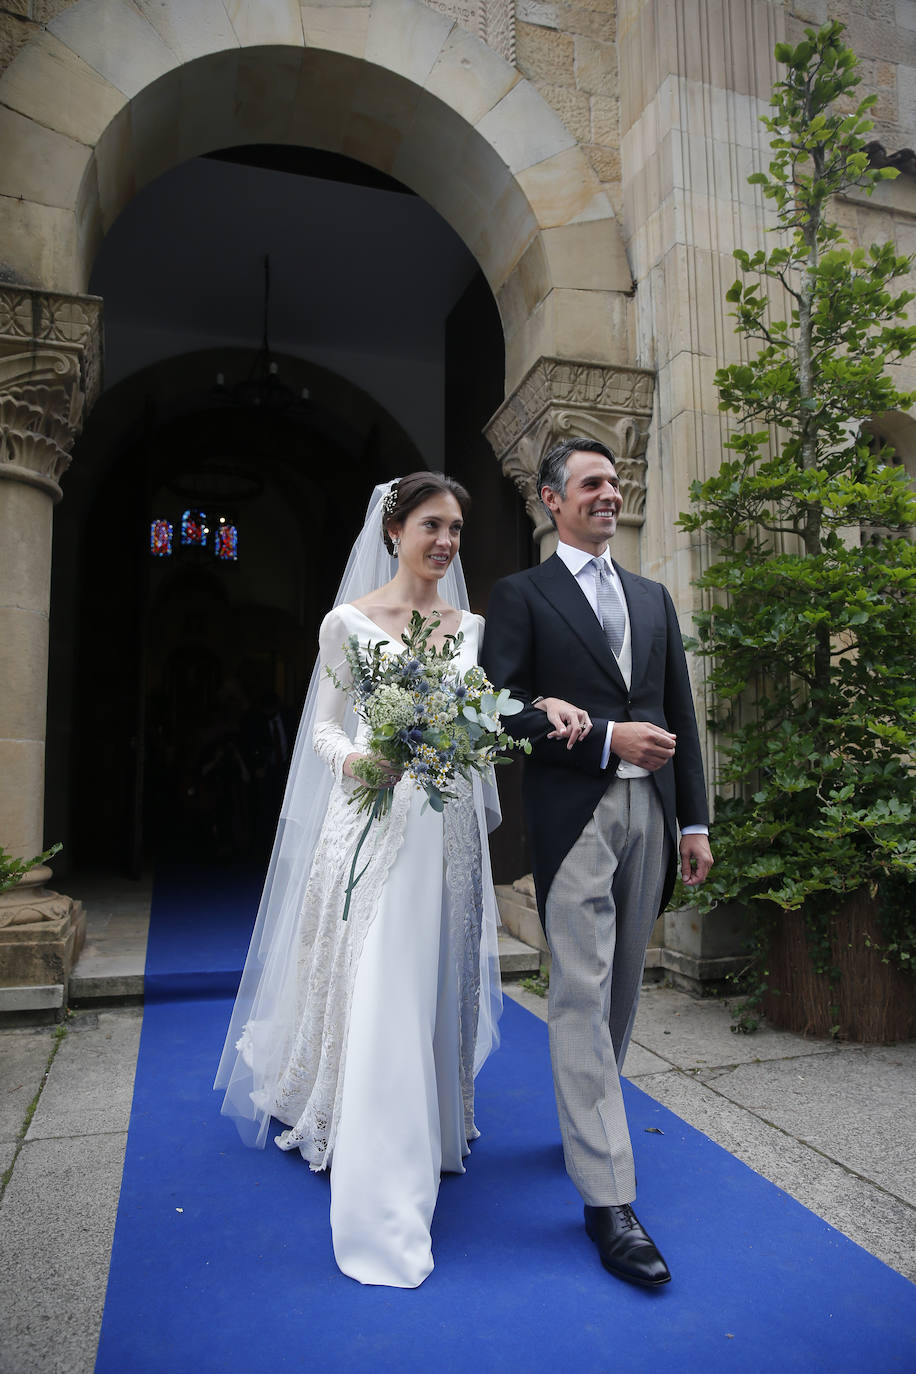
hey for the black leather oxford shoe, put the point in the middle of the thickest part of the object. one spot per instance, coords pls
(625, 1249)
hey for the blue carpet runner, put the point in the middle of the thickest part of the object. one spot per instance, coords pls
(222, 1256)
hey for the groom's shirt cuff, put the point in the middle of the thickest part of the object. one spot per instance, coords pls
(606, 751)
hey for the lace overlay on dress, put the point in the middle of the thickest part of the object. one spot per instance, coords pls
(463, 879)
(308, 1094)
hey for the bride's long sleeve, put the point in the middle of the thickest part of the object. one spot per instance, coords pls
(331, 742)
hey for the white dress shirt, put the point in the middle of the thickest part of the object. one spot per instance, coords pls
(583, 570)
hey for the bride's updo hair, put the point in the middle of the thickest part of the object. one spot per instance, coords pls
(411, 491)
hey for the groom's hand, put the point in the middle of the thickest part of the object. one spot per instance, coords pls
(648, 746)
(696, 859)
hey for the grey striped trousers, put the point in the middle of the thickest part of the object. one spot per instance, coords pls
(600, 912)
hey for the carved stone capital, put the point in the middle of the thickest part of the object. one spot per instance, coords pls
(50, 376)
(558, 399)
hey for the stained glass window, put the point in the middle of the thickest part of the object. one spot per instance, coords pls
(226, 541)
(160, 538)
(194, 528)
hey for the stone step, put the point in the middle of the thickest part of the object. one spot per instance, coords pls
(122, 978)
(516, 959)
(519, 916)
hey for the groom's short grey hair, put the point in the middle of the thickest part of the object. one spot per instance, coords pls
(554, 469)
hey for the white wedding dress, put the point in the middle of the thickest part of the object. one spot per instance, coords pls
(378, 1080)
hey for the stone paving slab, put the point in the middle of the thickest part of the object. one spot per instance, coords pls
(56, 1228)
(23, 1060)
(882, 1224)
(697, 1034)
(7, 1154)
(91, 1083)
(808, 1098)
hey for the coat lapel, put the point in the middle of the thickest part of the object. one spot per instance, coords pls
(557, 584)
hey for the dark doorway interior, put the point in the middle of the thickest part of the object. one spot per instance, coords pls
(191, 670)
(163, 670)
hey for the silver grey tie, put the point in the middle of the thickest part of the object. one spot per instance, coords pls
(610, 606)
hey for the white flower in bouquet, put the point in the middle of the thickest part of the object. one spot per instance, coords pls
(426, 721)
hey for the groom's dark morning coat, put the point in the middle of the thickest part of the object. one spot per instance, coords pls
(543, 639)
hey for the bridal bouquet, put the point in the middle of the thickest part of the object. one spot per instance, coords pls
(425, 719)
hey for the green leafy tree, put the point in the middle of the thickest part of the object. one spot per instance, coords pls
(811, 614)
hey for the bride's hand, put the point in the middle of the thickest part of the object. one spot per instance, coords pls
(569, 722)
(391, 775)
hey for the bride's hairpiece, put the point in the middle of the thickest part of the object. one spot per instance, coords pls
(390, 501)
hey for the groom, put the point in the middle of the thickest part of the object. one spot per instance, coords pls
(602, 808)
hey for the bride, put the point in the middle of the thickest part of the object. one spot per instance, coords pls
(363, 1036)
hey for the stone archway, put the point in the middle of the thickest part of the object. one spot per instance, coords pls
(110, 95)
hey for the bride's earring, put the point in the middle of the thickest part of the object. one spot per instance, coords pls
(396, 541)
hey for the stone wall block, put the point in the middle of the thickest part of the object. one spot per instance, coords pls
(50, 84)
(114, 167)
(591, 21)
(38, 164)
(205, 106)
(190, 30)
(265, 21)
(406, 37)
(520, 131)
(591, 325)
(23, 672)
(116, 40)
(372, 141)
(266, 92)
(90, 230)
(501, 237)
(604, 121)
(156, 123)
(588, 256)
(906, 96)
(38, 245)
(596, 67)
(527, 338)
(469, 76)
(473, 182)
(14, 35)
(598, 207)
(533, 274)
(545, 56)
(573, 108)
(606, 162)
(542, 12)
(336, 28)
(560, 188)
(317, 118)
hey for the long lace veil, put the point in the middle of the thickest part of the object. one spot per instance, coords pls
(266, 1003)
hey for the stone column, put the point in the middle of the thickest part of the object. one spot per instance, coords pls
(558, 400)
(50, 356)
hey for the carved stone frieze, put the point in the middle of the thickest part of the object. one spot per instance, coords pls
(50, 375)
(558, 399)
(491, 20)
